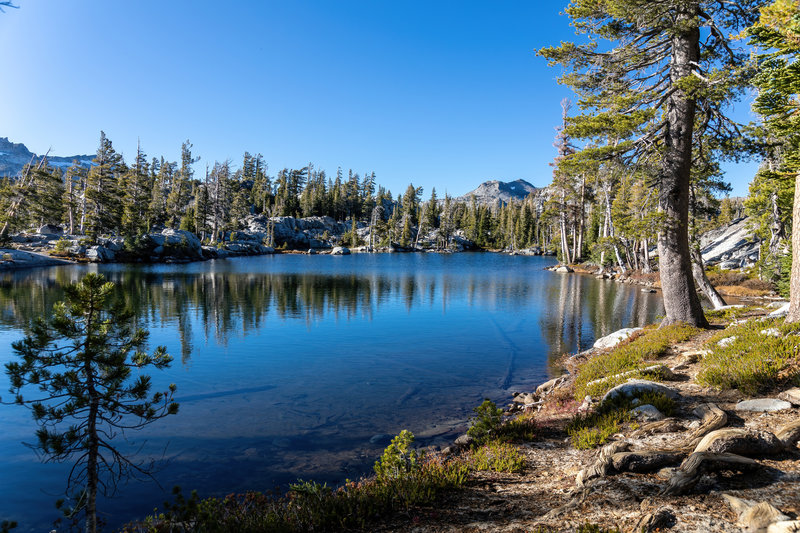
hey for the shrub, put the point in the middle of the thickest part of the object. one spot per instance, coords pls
(521, 428)
(397, 461)
(486, 423)
(399, 484)
(752, 361)
(497, 456)
(629, 356)
(62, 246)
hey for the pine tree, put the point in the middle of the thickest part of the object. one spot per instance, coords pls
(655, 72)
(75, 375)
(138, 190)
(777, 33)
(103, 191)
(178, 199)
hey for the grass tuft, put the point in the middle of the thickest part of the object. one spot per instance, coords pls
(630, 356)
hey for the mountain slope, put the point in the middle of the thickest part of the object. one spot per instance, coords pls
(490, 192)
(14, 156)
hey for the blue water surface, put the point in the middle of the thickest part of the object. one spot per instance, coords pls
(294, 366)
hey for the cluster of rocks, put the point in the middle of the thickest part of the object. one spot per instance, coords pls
(168, 245)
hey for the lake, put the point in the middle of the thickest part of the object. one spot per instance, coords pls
(295, 366)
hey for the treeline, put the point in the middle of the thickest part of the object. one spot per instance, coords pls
(114, 197)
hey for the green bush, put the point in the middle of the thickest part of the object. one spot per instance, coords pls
(62, 246)
(399, 484)
(497, 456)
(752, 361)
(397, 460)
(486, 423)
(630, 356)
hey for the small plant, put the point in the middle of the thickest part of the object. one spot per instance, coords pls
(397, 460)
(62, 246)
(486, 423)
(8, 257)
(497, 456)
(521, 428)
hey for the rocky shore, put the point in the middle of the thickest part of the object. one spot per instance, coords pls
(723, 461)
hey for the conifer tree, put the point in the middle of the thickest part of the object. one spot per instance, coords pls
(76, 377)
(103, 191)
(658, 71)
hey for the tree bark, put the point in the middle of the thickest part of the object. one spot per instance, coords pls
(681, 302)
(794, 280)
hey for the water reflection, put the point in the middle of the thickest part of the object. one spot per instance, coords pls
(224, 303)
(292, 365)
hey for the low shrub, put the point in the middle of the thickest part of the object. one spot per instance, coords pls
(497, 456)
(403, 479)
(522, 428)
(595, 428)
(629, 356)
(487, 421)
(753, 360)
(62, 246)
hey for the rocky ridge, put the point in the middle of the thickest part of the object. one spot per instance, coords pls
(14, 156)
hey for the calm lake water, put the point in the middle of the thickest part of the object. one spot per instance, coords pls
(294, 366)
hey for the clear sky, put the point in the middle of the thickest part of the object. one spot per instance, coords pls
(443, 94)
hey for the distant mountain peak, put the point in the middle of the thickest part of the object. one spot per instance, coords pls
(492, 191)
(14, 156)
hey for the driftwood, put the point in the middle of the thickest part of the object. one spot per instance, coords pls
(668, 425)
(741, 441)
(755, 516)
(789, 435)
(698, 463)
(603, 463)
(644, 462)
(659, 520)
(712, 418)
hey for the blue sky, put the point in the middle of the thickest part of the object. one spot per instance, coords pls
(443, 94)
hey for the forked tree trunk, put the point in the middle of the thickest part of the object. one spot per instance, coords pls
(681, 302)
(794, 280)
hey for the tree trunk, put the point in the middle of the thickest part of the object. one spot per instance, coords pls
(699, 274)
(681, 302)
(646, 256)
(794, 280)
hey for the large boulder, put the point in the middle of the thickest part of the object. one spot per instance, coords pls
(731, 246)
(50, 229)
(99, 254)
(636, 387)
(612, 339)
(181, 243)
(340, 250)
